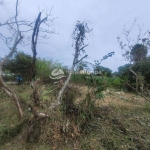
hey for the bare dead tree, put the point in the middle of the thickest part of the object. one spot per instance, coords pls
(36, 95)
(34, 41)
(78, 36)
(15, 28)
(128, 47)
(17, 32)
(18, 38)
(35, 35)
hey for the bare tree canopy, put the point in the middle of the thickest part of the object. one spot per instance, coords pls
(35, 35)
(17, 36)
(18, 30)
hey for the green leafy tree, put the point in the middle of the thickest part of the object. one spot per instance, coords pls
(135, 50)
(44, 68)
(105, 71)
(100, 70)
(138, 52)
(126, 75)
(144, 69)
(141, 68)
(20, 64)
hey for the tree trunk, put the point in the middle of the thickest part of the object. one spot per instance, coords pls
(137, 83)
(11, 94)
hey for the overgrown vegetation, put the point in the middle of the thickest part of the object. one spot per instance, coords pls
(86, 107)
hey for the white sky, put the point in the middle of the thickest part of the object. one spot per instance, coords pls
(107, 18)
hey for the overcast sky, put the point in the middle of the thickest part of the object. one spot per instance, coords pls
(106, 17)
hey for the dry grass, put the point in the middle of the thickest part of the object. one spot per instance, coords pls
(120, 122)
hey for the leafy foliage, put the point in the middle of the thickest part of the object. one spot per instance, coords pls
(44, 68)
(20, 64)
(138, 52)
(86, 111)
(141, 68)
(100, 70)
(116, 83)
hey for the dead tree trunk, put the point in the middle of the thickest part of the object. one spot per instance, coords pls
(3, 85)
(12, 95)
(35, 34)
(13, 25)
(34, 41)
(136, 78)
(36, 95)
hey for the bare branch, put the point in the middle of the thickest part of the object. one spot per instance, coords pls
(3, 86)
(138, 92)
(81, 59)
(37, 114)
(35, 37)
(139, 37)
(2, 2)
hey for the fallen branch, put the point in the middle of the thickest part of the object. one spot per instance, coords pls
(138, 92)
(36, 113)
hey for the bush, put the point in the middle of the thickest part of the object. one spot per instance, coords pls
(116, 83)
(86, 112)
(45, 67)
(78, 78)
